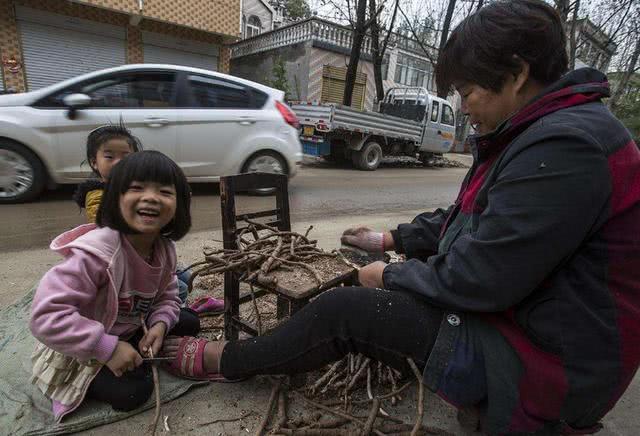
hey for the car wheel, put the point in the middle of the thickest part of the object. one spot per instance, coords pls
(265, 162)
(368, 158)
(22, 174)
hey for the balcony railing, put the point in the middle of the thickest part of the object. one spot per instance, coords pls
(312, 29)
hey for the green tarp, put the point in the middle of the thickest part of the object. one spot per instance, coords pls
(24, 410)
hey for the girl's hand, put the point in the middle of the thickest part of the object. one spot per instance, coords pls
(153, 339)
(124, 358)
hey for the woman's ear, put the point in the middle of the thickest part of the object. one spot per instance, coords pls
(521, 78)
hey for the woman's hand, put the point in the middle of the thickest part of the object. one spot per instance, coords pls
(368, 240)
(153, 339)
(370, 276)
(124, 358)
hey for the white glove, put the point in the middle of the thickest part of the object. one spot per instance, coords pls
(364, 238)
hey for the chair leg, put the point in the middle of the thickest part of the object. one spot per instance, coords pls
(231, 305)
(282, 310)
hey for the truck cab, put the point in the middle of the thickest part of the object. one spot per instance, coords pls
(434, 113)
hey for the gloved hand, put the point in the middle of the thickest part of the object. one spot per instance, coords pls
(364, 238)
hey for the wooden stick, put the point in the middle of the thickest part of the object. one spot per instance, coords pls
(327, 375)
(156, 384)
(255, 309)
(267, 413)
(358, 374)
(215, 421)
(389, 395)
(282, 412)
(335, 412)
(372, 417)
(420, 414)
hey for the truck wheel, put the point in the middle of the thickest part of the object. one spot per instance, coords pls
(368, 158)
(22, 174)
(425, 157)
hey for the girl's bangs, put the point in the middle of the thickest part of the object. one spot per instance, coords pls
(150, 167)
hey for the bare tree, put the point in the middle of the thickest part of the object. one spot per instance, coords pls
(445, 35)
(360, 27)
(632, 66)
(572, 35)
(359, 31)
(377, 51)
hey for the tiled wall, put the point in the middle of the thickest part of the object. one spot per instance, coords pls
(197, 14)
(10, 47)
(135, 51)
(218, 16)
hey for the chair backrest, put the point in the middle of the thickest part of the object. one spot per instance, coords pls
(230, 185)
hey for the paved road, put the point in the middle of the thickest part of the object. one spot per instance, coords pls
(319, 191)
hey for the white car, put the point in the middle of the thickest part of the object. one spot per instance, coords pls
(211, 124)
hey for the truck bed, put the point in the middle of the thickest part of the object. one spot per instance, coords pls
(338, 117)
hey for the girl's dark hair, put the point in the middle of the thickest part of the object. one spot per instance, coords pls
(146, 166)
(492, 43)
(102, 134)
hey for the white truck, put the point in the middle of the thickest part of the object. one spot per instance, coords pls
(410, 122)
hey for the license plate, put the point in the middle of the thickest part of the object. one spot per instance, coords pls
(308, 130)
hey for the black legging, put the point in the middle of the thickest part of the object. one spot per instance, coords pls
(387, 326)
(133, 388)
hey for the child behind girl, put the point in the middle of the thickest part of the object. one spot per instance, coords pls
(87, 310)
(106, 146)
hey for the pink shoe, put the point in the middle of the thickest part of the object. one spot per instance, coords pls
(189, 362)
(207, 304)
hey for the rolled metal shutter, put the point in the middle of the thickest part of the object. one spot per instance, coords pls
(1, 76)
(57, 47)
(165, 49)
(333, 81)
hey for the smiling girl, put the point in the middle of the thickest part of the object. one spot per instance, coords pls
(87, 310)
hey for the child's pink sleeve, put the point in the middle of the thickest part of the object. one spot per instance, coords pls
(65, 307)
(166, 307)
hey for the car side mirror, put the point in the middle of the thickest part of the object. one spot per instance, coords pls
(73, 102)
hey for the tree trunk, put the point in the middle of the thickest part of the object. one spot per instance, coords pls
(354, 57)
(572, 36)
(445, 35)
(563, 7)
(376, 52)
(624, 80)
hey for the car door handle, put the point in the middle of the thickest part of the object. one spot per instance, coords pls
(246, 121)
(156, 122)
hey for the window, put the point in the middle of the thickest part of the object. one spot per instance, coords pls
(385, 67)
(435, 107)
(132, 90)
(447, 115)
(413, 71)
(254, 27)
(209, 92)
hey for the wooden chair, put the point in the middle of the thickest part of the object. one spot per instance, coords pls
(289, 300)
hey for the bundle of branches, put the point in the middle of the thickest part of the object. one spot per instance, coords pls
(261, 250)
(345, 419)
(350, 373)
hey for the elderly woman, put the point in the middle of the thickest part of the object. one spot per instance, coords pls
(523, 298)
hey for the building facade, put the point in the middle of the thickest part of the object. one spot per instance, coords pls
(594, 48)
(257, 17)
(45, 41)
(316, 52)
